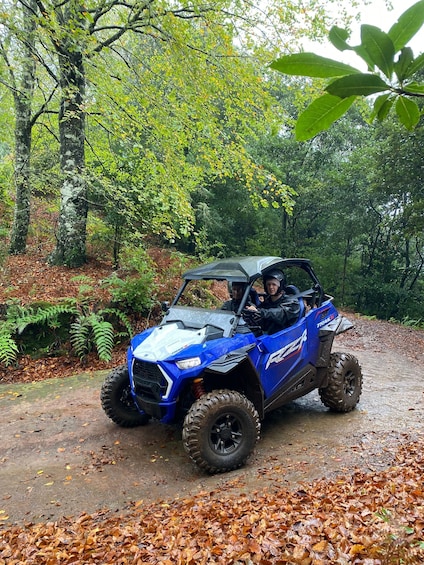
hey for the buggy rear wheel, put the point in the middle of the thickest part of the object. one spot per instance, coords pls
(118, 402)
(220, 431)
(344, 383)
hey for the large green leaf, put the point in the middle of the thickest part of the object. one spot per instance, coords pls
(403, 63)
(363, 53)
(408, 112)
(338, 37)
(415, 65)
(379, 48)
(311, 65)
(382, 106)
(407, 25)
(414, 88)
(385, 109)
(320, 114)
(357, 85)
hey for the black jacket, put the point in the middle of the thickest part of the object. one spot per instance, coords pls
(280, 314)
(233, 305)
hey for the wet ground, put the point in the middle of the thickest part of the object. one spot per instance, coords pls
(61, 456)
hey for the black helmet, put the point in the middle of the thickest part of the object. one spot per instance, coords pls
(275, 274)
(230, 285)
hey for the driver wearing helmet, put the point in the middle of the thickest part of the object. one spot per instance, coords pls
(278, 310)
(237, 292)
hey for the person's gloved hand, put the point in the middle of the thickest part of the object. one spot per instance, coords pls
(251, 316)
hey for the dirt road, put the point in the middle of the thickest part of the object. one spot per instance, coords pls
(61, 456)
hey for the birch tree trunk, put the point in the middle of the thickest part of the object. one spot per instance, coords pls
(23, 126)
(22, 212)
(70, 248)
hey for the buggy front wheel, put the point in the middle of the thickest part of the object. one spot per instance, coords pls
(220, 431)
(118, 402)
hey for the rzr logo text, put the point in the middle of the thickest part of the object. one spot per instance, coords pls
(293, 347)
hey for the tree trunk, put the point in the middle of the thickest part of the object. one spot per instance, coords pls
(23, 126)
(21, 219)
(70, 248)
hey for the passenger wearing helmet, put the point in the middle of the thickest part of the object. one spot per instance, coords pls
(237, 292)
(278, 310)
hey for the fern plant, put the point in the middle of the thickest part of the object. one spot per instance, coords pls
(88, 329)
(47, 315)
(19, 318)
(8, 347)
(94, 330)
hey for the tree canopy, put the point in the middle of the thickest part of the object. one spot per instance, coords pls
(392, 74)
(182, 84)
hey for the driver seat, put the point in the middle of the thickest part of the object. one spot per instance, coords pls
(292, 290)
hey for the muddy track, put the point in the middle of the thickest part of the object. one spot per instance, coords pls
(61, 456)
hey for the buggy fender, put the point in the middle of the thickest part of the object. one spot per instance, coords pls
(235, 370)
(326, 334)
(230, 361)
(343, 326)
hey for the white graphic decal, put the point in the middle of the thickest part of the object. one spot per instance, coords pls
(325, 321)
(287, 350)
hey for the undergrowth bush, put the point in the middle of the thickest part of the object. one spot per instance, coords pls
(412, 323)
(134, 290)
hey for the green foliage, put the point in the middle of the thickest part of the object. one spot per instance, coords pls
(164, 113)
(378, 50)
(358, 213)
(320, 114)
(6, 203)
(174, 120)
(133, 294)
(89, 329)
(411, 323)
(8, 347)
(19, 318)
(401, 540)
(135, 291)
(119, 320)
(98, 330)
(48, 315)
(92, 330)
(100, 236)
(311, 65)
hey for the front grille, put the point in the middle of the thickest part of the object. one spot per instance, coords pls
(149, 381)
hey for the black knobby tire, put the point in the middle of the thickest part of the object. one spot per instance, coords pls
(118, 402)
(344, 383)
(220, 431)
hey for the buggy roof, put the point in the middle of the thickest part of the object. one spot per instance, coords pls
(242, 269)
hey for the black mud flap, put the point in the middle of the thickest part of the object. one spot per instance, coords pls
(326, 336)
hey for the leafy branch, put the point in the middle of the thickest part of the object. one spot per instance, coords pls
(393, 79)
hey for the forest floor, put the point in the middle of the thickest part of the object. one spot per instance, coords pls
(320, 488)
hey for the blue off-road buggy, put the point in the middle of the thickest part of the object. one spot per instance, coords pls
(216, 371)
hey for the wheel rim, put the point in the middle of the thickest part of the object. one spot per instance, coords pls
(350, 383)
(226, 434)
(126, 399)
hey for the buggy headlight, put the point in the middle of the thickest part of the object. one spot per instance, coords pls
(188, 363)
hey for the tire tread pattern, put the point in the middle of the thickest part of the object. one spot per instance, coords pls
(110, 397)
(197, 415)
(334, 395)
